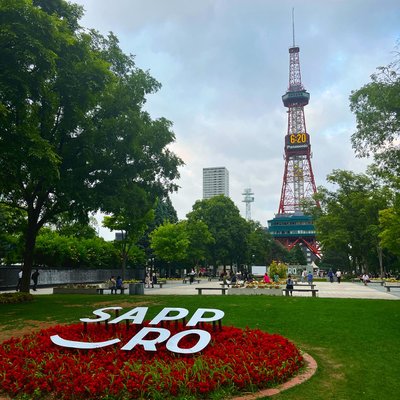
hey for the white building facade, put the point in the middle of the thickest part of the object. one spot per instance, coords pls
(215, 182)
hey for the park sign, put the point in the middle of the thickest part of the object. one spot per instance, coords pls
(149, 336)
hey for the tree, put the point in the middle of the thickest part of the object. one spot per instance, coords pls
(389, 220)
(297, 256)
(170, 242)
(348, 223)
(200, 239)
(259, 244)
(74, 135)
(226, 226)
(132, 223)
(377, 109)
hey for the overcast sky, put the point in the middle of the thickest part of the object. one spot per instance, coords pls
(224, 65)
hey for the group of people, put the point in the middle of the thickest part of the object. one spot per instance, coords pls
(150, 281)
(332, 275)
(307, 276)
(115, 284)
(34, 277)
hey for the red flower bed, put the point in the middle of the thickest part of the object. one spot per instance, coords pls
(235, 360)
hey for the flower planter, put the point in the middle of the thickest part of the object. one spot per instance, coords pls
(255, 291)
(74, 290)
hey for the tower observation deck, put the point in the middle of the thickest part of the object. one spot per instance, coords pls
(290, 226)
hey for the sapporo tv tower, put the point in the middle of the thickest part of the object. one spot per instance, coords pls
(291, 226)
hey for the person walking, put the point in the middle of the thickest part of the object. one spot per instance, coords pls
(35, 277)
(153, 280)
(338, 275)
(303, 275)
(330, 276)
(310, 278)
(147, 281)
(19, 280)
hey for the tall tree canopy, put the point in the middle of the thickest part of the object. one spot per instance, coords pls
(73, 132)
(226, 226)
(377, 109)
(348, 222)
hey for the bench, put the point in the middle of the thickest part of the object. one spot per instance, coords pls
(388, 287)
(313, 291)
(102, 290)
(186, 280)
(158, 283)
(222, 289)
(305, 285)
(374, 281)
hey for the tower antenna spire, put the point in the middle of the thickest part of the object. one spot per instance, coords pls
(293, 26)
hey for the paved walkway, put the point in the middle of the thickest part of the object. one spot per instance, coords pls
(325, 289)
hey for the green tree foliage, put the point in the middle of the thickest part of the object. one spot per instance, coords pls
(226, 226)
(55, 250)
(389, 220)
(348, 223)
(297, 256)
(74, 136)
(278, 268)
(170, 242)
(259, 244)
(11, 222)
(200, 239)
(79, 229)
(131, 222)
(377, 109)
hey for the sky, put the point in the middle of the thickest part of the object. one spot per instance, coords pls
(224, 65)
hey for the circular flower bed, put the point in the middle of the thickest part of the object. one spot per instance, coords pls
(235, 360)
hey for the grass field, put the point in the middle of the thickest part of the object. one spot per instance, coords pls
(356, 343)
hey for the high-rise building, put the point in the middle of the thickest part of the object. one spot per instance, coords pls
(215, 182)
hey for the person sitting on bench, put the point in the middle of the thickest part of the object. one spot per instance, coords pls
(118, 284)
(112, 284)
(289, 285)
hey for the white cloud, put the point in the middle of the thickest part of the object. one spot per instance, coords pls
(224, 67)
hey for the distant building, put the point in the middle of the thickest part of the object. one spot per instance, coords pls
(215, 182)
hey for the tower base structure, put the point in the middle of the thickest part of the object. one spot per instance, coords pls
(295, 228)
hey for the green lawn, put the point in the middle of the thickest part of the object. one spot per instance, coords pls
(356, 343)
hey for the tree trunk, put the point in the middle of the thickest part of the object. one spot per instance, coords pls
(30, 241)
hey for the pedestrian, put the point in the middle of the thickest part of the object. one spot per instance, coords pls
(310, 278)
(191, 276)
(153, 280)
(276, 278)
(365, 279)
(147, 281)
(266, 278)
(330, 276)
(118, 284)
(112, 284)
(338, 275)
(19, 280)
(289, 285)
(35, 277)
(303, 275)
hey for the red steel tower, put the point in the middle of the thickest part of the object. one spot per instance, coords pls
(291, 226)
(298, 178)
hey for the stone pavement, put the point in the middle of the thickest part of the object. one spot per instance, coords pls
(325, 289)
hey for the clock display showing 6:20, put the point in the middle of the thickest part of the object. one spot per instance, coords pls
(298, 138)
